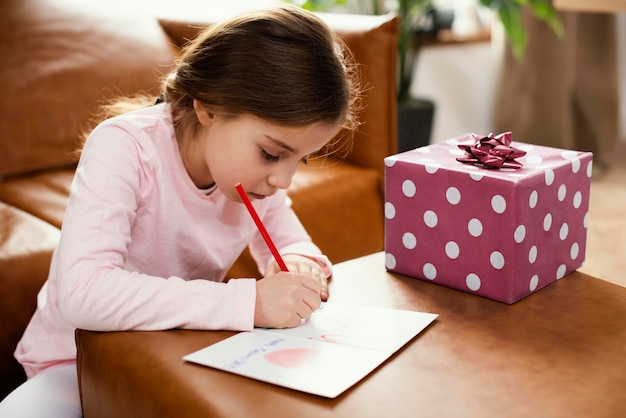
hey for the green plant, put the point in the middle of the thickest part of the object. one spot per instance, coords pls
(317, 5)
(510, 14)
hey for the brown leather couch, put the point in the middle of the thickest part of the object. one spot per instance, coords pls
(60, 59)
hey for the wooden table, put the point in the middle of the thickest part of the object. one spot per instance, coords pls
(560, 352)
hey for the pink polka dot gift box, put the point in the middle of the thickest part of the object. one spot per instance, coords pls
(487, 215)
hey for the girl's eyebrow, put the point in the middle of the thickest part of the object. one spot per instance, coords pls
(286, 147)
(281, 144)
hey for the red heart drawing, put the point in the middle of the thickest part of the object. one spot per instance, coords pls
(291, 357)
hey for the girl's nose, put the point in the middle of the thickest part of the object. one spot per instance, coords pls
(281, 178)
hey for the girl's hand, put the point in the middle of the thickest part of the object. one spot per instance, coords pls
(305, 266)
(284, 299)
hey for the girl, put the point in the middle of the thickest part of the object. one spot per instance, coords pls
(154, 222)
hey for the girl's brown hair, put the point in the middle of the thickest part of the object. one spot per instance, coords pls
(283, 65)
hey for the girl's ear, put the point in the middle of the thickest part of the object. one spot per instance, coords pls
(204, 114)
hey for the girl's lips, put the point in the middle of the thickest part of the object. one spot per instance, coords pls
(257, 196)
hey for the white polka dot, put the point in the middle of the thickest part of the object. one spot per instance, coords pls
(578, 199)
(430, 271)
(563, 231)
(586, 220)
(452, 250)
(532, 254)
(532, 200)
(453, 195)
(408, 188)
(456, 151)
(391, 161)
(497, 260)
(390, 261)
(390, 210)
(534, 159)
(526, 147)
(562, 192)
(573, 252)
(476, 176)
(575, 166)
(560, 272)
(547, 222)
(472, 281)
(430, 219)
(549, 176)
(590, 169)
(534, 281)
(519, 234)
(475, 227)
(423, 150)
(569, 155)
(431, 168)
(498, 204)
(409, 241)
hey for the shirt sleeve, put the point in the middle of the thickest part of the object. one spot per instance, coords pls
(95, 292)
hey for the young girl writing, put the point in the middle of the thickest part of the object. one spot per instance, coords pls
(154, 221)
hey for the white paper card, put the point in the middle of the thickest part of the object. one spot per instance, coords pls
(325, 355)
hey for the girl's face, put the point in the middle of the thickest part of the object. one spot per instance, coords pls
(245, 149)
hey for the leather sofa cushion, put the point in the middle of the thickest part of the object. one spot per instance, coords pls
(61, 59)
(26, 246)
(43, 194)
(350, 222)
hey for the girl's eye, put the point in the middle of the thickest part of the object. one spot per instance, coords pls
(268, 156)
(271, 157)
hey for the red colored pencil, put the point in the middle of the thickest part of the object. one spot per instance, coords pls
(261, 227)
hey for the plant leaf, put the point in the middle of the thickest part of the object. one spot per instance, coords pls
(546, 12)
(510, 14)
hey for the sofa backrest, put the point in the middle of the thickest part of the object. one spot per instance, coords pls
(60, 60)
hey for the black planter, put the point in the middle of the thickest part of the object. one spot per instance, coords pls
(415, 121)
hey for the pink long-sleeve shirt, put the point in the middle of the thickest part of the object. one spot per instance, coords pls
(142, 248)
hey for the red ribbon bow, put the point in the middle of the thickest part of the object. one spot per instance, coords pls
(492, 152)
